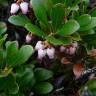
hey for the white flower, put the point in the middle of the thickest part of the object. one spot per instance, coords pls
(51, 52)
(62, 48)
(24, 7)
(41, 53)
(14, 8)
(72, 50)
(39, 45)
(75, 44)
(28, 38)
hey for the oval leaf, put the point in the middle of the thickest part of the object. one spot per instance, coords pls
(40, 74)
(22, 56)
(43, 88)
(84, 19)
(35, 30)
(91, 25)
(69, 28)
(19, 20)
(40, 11)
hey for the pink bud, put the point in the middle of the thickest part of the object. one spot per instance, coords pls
(39, 45)
(24, 7)
(14, 8)
(72, 50)
(51, 52)
(62, 48)
(41, 53)
(28, 38)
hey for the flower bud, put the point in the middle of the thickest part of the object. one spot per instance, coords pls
(41, 53)
(51, 52)
(75, 44)
(39, 45)
(62, 48)
(72, 50)
(24, 7)
(28, 38)
(14, 8)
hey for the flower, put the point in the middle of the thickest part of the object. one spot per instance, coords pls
(72, 50)
(62, 48)
(14, 8)
(51, 52)
(28, 38)
(39, 45)
(41, 53)
(24, 7)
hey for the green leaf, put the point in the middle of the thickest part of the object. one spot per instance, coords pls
(12, 49)
(91, 25)
(59, 41)
(40, 74)
(88, 32)
(93, 12)
(25, 76)
(84, 19)
(1, 58)
(40, 11)
(57, 16)
(9, 84)
(3, 28)
(35, 30)
(19, 20)
(43, 88)
(69, 28)
(76, 37)
(54, 40)
(22, 56)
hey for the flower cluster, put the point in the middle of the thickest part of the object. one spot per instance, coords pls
(19, 5)
(43, 50)
(70, 49)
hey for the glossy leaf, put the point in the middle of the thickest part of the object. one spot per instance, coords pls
(19, 20)
(35, 30)
(57, 16)
(22, 56)
(91, 25)
(58, 41)
(40, 74)
(9, 84)
(40, 11)
(43, 88)
(69, 28)
(84, 19)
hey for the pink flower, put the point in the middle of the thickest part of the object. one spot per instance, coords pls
(14, 8)
(51, 52)
(62, 48)
(41, 53)
(39, 45)
(28, 38)
(24, 7)
(72, 50)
